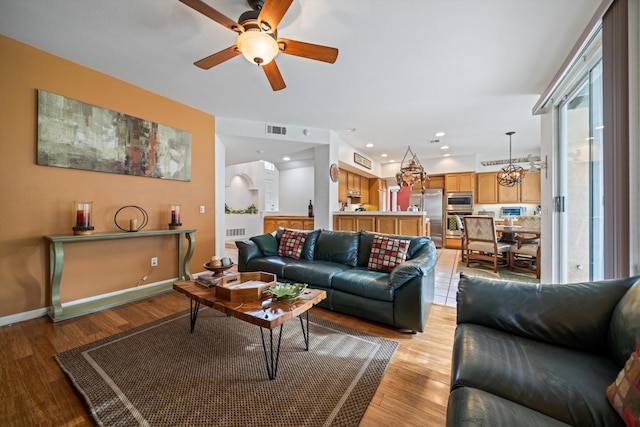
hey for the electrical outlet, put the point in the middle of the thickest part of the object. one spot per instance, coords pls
(201, 209)
(154, 261)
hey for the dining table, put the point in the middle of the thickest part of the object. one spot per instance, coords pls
(509, 232)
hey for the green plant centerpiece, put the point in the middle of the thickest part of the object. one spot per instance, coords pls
(287, 291)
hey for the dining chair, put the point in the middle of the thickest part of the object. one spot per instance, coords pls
(524, 255)
(463, 237)
(529, 222)
(482, 242)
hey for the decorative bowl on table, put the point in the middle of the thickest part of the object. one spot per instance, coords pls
(219, 269)
(287, 291)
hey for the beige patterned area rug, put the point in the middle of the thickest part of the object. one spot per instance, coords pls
(159, 374)
(482, 270)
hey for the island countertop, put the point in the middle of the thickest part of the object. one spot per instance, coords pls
(398, 222)
(382, 213)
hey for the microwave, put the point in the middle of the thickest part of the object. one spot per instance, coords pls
(513, 211)
(459, 201)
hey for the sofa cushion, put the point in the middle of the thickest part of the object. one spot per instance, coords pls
(364, 282)
(308, 248)
(267, 243)
(366, 238)
(313, 273)
(576, 315)
(624, 392)
(562, 383)
(386, 253)
(469, 406)
(271, 264)
(337, 246)
(624, 329)
(291, 243)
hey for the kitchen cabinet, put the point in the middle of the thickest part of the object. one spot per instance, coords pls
(508, 194)
(406, 224)
(458, 182)
(530, 188)
(453, 242)
(486, 187)
(435, 181)
(489, 191)
(350, 181)
(271, 223)
(342, 187)
(364, 190)
(354, 223)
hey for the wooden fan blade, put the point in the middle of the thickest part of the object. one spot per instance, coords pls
(308, 50)
(217, 58)
(273, 75)
(210, 12)
(272, 12)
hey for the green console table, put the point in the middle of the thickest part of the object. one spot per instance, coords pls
(56, 259)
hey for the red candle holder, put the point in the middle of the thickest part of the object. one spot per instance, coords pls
(83, 215)
(174, 216)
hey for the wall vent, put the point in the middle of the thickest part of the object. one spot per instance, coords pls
(276, 130)
(231, 232)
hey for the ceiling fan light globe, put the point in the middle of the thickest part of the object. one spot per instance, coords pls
(257, 47)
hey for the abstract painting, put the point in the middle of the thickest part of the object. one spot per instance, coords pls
(76, 135)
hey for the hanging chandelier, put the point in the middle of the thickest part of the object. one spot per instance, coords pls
(512, 174)
(411, 171)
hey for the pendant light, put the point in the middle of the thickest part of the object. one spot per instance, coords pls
(512, 174)
(411, 171)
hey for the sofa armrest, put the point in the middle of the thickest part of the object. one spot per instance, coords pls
(573, 315)
(247, 250)
(421, 264)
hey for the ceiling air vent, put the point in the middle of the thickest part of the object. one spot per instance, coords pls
(434, 141)
(276, 130)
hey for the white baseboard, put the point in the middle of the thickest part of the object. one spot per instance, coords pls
(21, 317)
(34, 314)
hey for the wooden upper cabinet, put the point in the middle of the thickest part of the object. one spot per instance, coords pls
(458, 182)
(508, 194)
(486, 187)
(342, 186)
(436, 181)
(530, 188)
(364, 190)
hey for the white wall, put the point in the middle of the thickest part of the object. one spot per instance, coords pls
(296, 188)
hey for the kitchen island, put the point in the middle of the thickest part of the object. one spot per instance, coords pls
(403, 223)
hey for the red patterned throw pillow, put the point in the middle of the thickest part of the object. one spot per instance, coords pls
(624, 392)
(291, 243)
(387, 253)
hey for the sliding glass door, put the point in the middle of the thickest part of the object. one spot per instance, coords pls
(580, 171)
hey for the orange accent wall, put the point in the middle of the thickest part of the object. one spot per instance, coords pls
(36, 201)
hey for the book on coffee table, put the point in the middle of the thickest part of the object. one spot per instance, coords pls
(208, 280)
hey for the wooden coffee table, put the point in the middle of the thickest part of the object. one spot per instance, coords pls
(267, 313)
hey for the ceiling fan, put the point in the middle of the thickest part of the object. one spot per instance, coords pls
(258, 38)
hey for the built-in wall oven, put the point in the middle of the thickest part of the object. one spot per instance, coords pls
(459, 201)
(453, 223)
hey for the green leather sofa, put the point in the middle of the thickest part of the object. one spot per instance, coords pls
(336, 261)
(540, 355)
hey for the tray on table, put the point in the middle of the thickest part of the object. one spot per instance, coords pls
(244, 286)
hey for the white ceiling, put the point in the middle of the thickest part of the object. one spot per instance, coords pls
(406, 69)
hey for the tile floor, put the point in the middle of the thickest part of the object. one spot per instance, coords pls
(446, 280)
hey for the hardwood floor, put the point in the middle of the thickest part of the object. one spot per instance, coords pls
(35, 392)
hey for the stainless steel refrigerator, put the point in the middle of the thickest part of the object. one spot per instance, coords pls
(431, 203)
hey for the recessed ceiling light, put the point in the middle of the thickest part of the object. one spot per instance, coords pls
(286, 159)
(351, 129)
(392, 161)
(440, 134)
(446, 155)
(369, 145)
(444, 147)
(383, 155)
